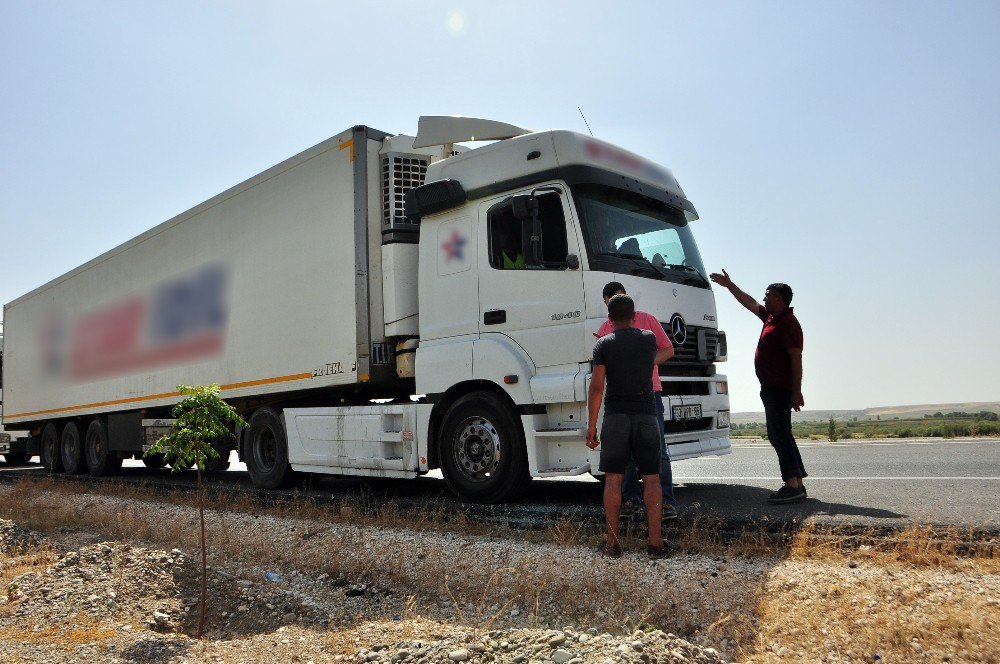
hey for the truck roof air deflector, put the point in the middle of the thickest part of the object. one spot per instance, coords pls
(433, 197)
(446, 129)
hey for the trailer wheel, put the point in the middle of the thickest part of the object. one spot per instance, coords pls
(266, 451)
(16, 458)
(221, 463)
(72, 450)
(178, 466)
(482, 450)
(50, 449)
(154, 461)
(100, 460)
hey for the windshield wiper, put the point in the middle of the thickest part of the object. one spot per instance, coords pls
(687, 268)
(621, 254)
(645, 267)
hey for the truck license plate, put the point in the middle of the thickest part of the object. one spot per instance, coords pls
(687, 412)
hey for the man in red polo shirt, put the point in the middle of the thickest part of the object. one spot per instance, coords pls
(778, 362)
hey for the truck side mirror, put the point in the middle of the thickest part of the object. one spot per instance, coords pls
(524, 206)
(573, 262)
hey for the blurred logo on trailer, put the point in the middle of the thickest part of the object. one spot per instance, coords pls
(175, 321)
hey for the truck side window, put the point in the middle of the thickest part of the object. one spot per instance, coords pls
(509, 238)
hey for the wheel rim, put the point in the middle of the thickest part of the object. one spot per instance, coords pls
(477, 448)
(94, 449)
(50, 451)
(265, 450)
(71, 449)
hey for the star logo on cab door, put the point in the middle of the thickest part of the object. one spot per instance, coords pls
(454, 246)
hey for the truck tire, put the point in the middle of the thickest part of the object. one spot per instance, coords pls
(221, 463)
(266, 451)
(482, 450)
(154, 461)
(100, 459)
(16, 458)
(71, 448)
(50, 450)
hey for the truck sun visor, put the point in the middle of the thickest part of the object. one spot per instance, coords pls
(433, 197)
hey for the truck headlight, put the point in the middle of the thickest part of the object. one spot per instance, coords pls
(722, 387)
(722, 421)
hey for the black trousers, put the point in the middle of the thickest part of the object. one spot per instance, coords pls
(778, 413)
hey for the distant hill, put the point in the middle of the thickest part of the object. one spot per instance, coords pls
(880, 412)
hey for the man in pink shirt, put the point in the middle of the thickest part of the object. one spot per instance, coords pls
(630, 485)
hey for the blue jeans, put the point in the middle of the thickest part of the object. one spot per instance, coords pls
(630, 484)
(778, 414)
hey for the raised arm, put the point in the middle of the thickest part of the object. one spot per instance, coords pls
(741, 297)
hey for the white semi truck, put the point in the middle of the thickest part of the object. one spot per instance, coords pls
(380, 305)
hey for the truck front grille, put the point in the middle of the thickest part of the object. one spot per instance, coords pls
(700, 349)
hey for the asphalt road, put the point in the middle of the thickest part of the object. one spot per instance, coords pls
(883, 484)
(879, 483)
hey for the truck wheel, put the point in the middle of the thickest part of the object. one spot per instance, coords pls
(483, 457)
(154, 461)
(16, 458)
(72, 450)
(221, 463)
(266, 451)
(50, 449)
(100, 460)
(218, 465)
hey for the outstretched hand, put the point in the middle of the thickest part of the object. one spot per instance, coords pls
(721, 279)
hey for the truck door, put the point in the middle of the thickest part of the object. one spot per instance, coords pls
(539, 307)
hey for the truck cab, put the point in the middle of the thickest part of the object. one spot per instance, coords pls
(517, 240)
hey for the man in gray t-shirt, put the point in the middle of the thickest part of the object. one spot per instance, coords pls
(624, 360)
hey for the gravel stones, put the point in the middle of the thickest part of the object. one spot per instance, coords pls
(529, 645)
(136, 603)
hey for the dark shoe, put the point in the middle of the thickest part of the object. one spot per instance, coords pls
(787, 494)
(610, 550)
(663, 551)
(669, 512)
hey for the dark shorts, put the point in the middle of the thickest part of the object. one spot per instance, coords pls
(625, 437)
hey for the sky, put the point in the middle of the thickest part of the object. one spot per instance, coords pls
(850, 149)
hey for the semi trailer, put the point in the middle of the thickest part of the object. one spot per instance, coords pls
(16, 447)
(380, 305)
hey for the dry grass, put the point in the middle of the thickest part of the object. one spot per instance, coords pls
(83, 630)
(917, 545)
(873, 612)
(823, 593)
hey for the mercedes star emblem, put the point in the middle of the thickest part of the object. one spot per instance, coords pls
(678, 330)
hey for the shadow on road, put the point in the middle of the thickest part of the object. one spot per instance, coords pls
(738, 502)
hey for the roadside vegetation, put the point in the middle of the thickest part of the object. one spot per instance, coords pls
(807, 594)
(938, 425)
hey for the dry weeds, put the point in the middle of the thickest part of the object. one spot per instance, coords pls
(813, 595)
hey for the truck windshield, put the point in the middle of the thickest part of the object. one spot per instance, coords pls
(629, 233)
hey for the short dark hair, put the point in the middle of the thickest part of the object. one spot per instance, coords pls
(621, 309)
(611, 288)
(784, 290)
